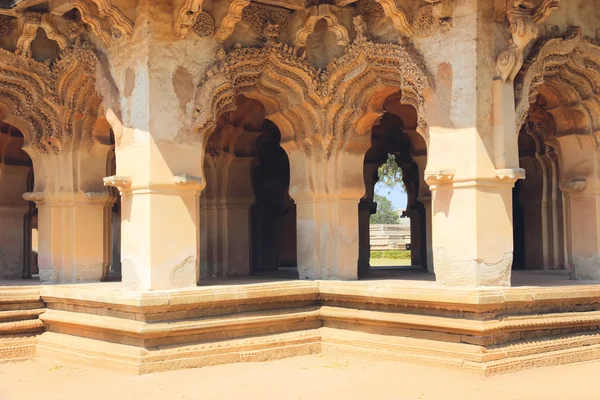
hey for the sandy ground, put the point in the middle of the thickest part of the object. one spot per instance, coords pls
(310, 377)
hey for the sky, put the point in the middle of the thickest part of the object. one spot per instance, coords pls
(396, 195)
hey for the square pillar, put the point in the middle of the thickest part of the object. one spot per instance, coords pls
(13, 183)
(71, 229)
(472, 235)
(581, 188)
(160, 234)
(12, 237)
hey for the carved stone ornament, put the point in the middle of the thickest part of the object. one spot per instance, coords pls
(34, 196)
(398, 16)
(119, 182)
(188, 180)
(570, 67)
(437, 176)
(371, 11)
(258, 16)
(185, 16)
(576, 185)
(524, 17)
(204, 26)
(105, 20)
(48, 99)
(512, 174)
(435, 15)
(315, 108)
(327, 13)
(6, 24)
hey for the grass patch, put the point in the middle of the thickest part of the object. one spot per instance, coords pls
(391, 255)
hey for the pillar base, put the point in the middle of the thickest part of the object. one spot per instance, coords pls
(328, 239)
(472, 232)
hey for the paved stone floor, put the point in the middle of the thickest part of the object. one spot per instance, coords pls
(311, 377)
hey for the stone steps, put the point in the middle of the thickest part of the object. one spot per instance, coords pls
(520, 355)
(20, 308)
(486, 332)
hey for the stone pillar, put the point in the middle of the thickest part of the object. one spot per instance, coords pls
(72, 205)
(472, 155)
(327, 190)
(71, 236)
(229, 201)
(366, 208)
(581, 186)
(149, 102)
(160, 232)
(13, 183)
(426, 201)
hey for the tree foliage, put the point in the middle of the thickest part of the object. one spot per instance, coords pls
(390, 174)
(385, 214)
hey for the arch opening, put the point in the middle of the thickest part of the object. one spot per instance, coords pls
(398, 239)
(247, 218)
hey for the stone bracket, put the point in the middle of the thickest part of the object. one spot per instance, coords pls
(120, 182)
(186, 179)
(434, 176)
(576, 185)
(510, 173)
(34, 196)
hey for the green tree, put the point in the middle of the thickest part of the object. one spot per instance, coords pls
(385, 214)
(390, 174)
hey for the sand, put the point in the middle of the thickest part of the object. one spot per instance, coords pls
(310, 377)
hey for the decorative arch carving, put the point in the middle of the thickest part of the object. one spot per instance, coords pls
(317, 13)
(318, 110)
(34, 21)
(566, 72)
(232, 17)
(398, 17)
(58, 104)
(185, 16)
(120, 25)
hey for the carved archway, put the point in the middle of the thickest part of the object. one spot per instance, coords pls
(566, 72)
(309, 105)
